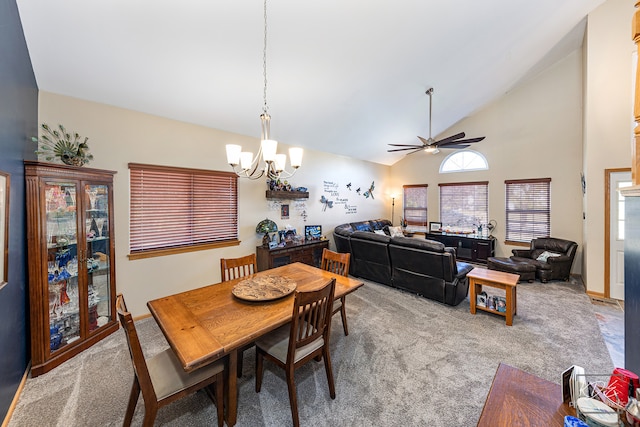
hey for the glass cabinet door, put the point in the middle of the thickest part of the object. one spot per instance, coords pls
(98, 254)
(62, 262)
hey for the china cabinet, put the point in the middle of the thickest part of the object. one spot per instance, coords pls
(70, 237)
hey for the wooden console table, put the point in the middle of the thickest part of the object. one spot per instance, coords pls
(517, 398)
(309, 252)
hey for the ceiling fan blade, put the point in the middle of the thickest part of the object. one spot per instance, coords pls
(455, 146)
(405, 149)
(450, 138)
(461, 141)
(425, 142)
(405, 145)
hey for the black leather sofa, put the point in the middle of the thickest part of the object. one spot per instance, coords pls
(418, 265)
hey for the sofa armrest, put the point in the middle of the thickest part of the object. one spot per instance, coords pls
(463, 269)
(522, 253)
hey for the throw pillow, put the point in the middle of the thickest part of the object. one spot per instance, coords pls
(379, 232)
(546, 254)
(396, 231)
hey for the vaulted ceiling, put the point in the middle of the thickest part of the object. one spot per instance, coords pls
(344, 76)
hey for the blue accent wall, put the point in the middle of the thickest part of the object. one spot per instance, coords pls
(18, 121)
(632, 284)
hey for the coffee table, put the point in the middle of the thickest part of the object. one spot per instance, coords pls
(479, 277)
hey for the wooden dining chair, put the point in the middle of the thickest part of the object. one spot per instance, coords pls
(235, 268)
(337, 263)
(161, 378)
(306, 337)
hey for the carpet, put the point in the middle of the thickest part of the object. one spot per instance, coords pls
(408, 361)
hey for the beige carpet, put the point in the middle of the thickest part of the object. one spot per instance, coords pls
(408, 361)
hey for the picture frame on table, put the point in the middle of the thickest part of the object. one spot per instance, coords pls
(312, 232)
(4, 227)
(435, 227)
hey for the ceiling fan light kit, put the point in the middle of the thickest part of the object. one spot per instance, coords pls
(432, 146)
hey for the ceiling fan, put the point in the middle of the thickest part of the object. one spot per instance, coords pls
(431, 145)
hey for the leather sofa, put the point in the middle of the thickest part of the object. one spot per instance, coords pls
(422, 266)
(555, 267)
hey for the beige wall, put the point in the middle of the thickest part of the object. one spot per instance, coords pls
(533, 131)
(608, 120)
(119, 136)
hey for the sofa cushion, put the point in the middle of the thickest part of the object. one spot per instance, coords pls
(362, 226)
(396, 231)
(343, 230)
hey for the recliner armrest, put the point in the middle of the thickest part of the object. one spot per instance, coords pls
(558, 259)
(522, 253)
(463, 269)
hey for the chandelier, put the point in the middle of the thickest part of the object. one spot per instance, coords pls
(274, 164)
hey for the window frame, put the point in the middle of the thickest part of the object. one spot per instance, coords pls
(416, 209)
(463, 152)
(477, 221)
(523, 240)
(203, 186)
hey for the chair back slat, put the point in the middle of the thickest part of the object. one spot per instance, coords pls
(335, 262)
(311, 316)
(235, 268)
(135, 350)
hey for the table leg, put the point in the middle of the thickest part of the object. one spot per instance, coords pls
(510, 304)
(231, 389)
(472, 296)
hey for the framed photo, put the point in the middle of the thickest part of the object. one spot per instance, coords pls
(284, 211)
(312, 232)
(435, 227)
(4, 227)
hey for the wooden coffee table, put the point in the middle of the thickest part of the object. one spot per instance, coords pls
(479, 277)
(517, 398)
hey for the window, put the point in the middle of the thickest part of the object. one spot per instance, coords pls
(464, 206)
(175, 210)
(415, 206)
(528, 209)
(463, 161)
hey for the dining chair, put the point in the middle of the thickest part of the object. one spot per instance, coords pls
(235, 268)
(306, 337)
(338, 263)
(161, 378)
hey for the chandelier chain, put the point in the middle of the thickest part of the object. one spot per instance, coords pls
(264, 58)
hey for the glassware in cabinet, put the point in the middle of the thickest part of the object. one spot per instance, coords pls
(71, 260)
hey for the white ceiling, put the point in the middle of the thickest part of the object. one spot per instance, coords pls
(344, 76)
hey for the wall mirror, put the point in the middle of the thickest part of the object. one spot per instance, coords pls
(4, 227)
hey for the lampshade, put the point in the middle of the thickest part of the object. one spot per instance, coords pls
(269, 148)
(233, 154)
(266, 226)
(281, 162)
(295, 154)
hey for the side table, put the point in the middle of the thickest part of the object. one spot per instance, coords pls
(479, 277)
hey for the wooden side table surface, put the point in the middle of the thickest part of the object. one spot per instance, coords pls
(517, 398)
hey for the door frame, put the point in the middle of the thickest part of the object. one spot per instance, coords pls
(607, 227)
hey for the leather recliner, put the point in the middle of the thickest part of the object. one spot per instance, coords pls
(557, 266)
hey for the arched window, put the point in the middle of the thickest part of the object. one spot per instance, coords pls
(462, 161)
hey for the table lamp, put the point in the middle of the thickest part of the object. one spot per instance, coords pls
(266, 226)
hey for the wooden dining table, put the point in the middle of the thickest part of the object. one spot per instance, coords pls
(205, 324)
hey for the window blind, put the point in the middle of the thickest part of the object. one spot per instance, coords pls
(415, 204)
(181, 208)
(464, 205)
(528, 209)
